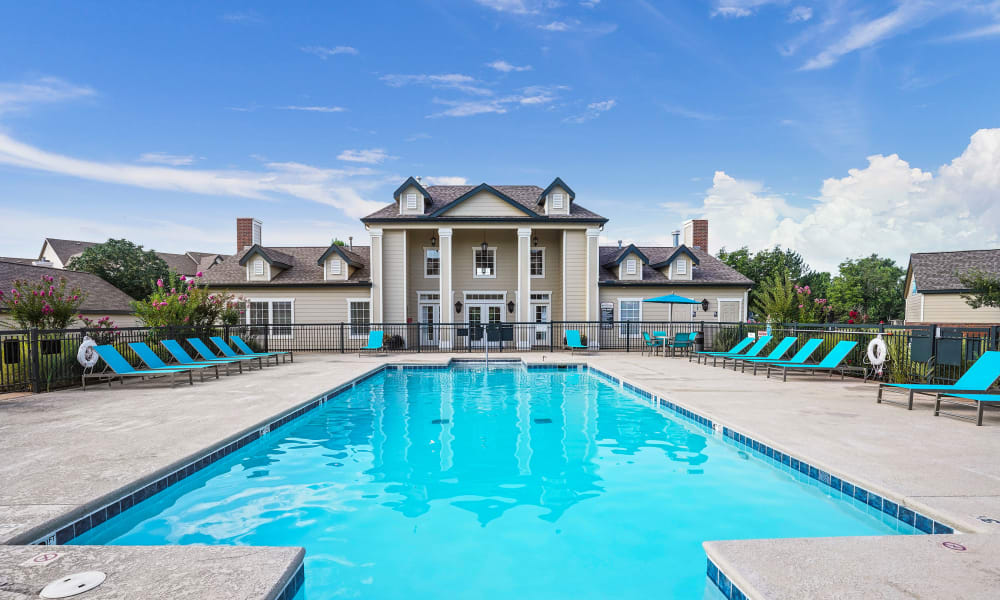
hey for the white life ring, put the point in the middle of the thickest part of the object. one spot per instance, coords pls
(86, 355)
(877, 351)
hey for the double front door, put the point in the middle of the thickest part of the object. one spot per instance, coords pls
(483, 315)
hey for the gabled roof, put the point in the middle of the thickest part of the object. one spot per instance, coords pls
(412, 181)
(102, 297)
(484, 187)
(306, 269)
(938, 271)
(275, 258)
(557, 182)
(682, 249)
(66, 249)
(188, 263)
(630, 249)
(710, 272)
(350, 259)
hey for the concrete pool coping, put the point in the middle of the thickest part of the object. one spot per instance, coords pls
(259, 402)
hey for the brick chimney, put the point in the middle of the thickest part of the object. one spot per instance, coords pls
(696, 233)
(247, 233)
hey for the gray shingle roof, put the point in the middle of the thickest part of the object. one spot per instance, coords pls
(188, 263)
(303, 269)
(102, 297)
(938, 271)
(66, 249)
(443, 195)
(710, 270)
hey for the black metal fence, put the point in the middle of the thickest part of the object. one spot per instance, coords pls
(41, 360)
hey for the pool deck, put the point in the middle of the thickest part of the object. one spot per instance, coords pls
(68, 452)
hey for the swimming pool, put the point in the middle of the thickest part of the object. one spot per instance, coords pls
(492, 483)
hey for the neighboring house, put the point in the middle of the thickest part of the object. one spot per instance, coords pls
(103, 299)
(59, 252)
(934, 292)
(480, 254)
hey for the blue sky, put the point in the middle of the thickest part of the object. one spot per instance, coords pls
(835, 127)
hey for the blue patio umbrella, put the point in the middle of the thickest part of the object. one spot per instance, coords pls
(672, 299)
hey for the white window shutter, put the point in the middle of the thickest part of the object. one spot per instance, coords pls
(334, 267)
(258, 266)
(411, 201)
(630, 266)
(557, 201)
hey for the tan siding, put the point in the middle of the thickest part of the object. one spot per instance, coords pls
(548, 199)
(416, 241)
(913, 308)
(484, 204)
(312, 304)
(952, 308)
(505, 241)
(623, 271)
(576, 275)
(420, 201)
(552, 282)
(393, 278)
(344, 268)
(682, 312)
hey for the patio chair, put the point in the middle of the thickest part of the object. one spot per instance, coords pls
(799, 357)
(734, 350)
(205, 352)
(573, 341)
(780, 350)
(754, 350)
(183, 358)
(831, 363)
(980, 376)
(649, 343)
(246, 350)
(980, 399)
(682, 342)
(120, 369)
(228, 352)
(156, 363)
(375, 339)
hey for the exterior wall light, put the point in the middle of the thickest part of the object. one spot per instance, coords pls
(434, 240)
(534, 240)
(458, 307)
(704, 304)
(484, 247)
(510, 306)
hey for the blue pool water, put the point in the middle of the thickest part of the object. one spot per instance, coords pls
(493, 484)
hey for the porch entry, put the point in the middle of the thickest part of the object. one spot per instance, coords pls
(484, 308)
(428, 315)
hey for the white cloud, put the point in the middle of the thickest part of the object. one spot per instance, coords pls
(981, 32)
(505, 67)
(444, 180)
(458, 81)
(321, 109)
(44, 90)
(800, 13)
(162, 158)
(558, 26)
(519, 7)
(418, 136)
(688, 113)
(888, 207)
(373, 156)
(590, 3)
(326, 52)
(529, 96)
(340, 188)
(594, 110)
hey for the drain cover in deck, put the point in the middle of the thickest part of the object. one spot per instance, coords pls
(74, 584)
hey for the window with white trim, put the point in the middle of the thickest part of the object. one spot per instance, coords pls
(258, 266)
(557, 201)
(271, 316)
(629, 309)
(432, 262)
(335, 266)
(484, 263)
(630, 266)
(359, 315)
(411, 201)
(537, 262)
(682, 266)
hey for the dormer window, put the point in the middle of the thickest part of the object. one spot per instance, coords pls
(682, 266)
(630, 266)
(335, 267)
(258, 266)
(411, 202)
(557, 201)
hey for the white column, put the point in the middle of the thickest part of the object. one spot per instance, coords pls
(444, 282)
(523, 311)
(376, 269)
(593, 260)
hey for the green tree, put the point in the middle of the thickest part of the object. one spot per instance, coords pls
(777, 300)
(984, 288)
(124, 265)
(339, 242)
(766, 264)
(871, 287)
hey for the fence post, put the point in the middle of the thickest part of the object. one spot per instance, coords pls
(934, 341)
(552, 335)
(628, 336)
(267, 334)
(342, 349)
(33, 360)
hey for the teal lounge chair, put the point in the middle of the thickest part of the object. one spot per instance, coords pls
(155, 362)
(980, 376)
(780, 350)
(754, 350)
(649, 343)
(799, 358)
(120, 369)
(980, 400)
(734, 350)
(247, 350)
(183, 358)
(205, 352)
(831, 363)
(573, 341)
(374, 342)
(230, 353)
(682, 342)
